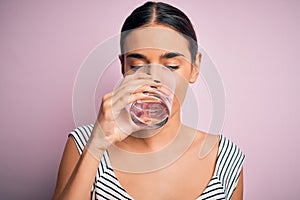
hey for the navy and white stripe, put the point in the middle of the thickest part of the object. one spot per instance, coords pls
(222, 185)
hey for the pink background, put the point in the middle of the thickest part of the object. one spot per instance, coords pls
(254, 44)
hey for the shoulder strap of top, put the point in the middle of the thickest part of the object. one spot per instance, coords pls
(81, 135)
(229, 164)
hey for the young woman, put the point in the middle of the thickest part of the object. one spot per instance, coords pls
(111, 160)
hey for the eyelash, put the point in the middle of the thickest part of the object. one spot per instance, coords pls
(171, 67)
(134, 68)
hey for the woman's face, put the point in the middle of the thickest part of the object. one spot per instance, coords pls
(159, 44)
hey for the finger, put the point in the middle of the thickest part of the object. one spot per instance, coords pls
(124, 97)
(114, 102)
(135, 76)
(136, 85)
(121, 103)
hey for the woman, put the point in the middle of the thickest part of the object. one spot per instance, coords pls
(176, 162)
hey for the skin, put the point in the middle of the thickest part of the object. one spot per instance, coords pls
(77, 172)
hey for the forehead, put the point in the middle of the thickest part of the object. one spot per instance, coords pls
(158, 37)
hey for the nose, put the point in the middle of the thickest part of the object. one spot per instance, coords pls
(162, 74)
(157, 72)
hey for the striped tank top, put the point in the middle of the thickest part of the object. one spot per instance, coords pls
(221, 186)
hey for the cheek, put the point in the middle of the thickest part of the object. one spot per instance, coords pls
(181, 87)
(182, 78)
(184, 71)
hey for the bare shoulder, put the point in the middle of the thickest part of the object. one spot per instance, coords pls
(71, 153)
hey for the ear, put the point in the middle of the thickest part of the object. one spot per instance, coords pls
(121, 58)
(195, 68)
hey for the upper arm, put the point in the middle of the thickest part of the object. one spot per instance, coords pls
(68, 162)
(238, 192)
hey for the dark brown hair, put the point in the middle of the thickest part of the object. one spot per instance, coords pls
(163, 14)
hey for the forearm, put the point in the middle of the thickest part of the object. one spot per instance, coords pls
(80, 183)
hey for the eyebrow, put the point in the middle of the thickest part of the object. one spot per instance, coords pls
(166, 55)
(136, 55)
(171, 55)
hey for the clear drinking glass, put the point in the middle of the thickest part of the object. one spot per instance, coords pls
(153, 111)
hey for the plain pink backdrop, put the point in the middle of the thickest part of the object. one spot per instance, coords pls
(254, 44)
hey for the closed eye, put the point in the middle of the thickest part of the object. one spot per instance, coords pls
(134, 67)
(172, 68)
